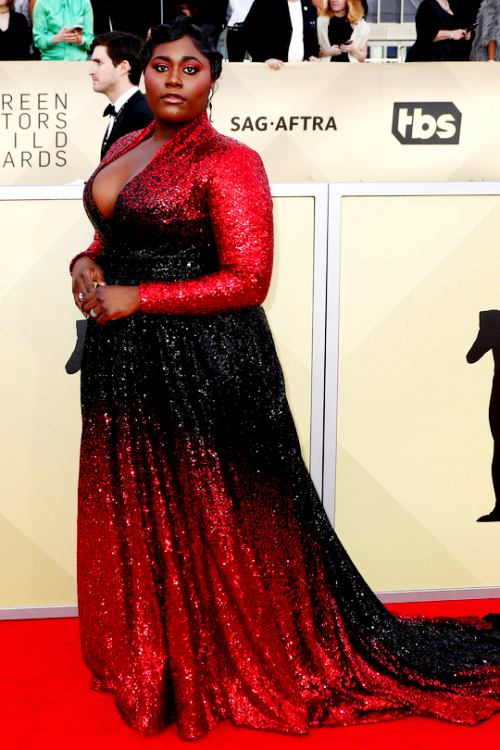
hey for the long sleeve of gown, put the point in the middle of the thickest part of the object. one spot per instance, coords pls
(240, 210)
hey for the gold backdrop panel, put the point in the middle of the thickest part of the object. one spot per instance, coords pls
(40, 435)
(289, 305)
(40, 409)
(415, 447)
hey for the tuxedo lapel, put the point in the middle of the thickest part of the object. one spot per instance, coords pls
(122, 113)
(113, 134)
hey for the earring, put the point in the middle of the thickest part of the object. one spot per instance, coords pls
(209, 104)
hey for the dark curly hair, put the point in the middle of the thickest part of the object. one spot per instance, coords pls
(121, 46)
(183, 26)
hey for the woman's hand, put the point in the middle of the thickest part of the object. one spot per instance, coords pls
(111, 302)
(447, 34)
(333, 51)
(348, 48)
(274, 63)
(85, 275)
(457, 34)
(358, 54)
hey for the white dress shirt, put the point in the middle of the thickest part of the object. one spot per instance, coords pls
(123, 99)
(237, 11)
(296, 49)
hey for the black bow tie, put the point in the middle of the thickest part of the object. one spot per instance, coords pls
(110, 110)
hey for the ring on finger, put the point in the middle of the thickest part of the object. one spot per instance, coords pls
(93, 313)
(80, 296)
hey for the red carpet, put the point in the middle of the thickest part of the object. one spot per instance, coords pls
(46, 703)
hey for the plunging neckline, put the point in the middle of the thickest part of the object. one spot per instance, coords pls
(118, 195)
(184, 133)
(131, 179)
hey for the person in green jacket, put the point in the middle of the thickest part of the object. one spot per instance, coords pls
(63, 29)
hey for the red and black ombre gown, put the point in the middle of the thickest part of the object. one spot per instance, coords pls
(211, 584)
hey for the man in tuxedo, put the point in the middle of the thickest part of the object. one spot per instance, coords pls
(277, 31)
(115, 71)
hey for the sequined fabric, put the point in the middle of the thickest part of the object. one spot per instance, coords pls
(211, 584)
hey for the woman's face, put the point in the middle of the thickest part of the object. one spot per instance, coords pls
(339, 7)
(178, 79)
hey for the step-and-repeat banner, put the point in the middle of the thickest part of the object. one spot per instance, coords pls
(310, 122)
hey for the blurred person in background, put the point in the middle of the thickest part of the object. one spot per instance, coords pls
(133, 16)
(343, 32)
(486, 44)
(116, 71)
(136, 16)
(102, 18)
(63, 29)
(23, 6)
(235, 40)
(15, 36)
(185, 9)
(213, 15)
(280, 31)
(441, 33)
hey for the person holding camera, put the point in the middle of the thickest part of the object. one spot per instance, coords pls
(442, 33)
(63, 29)
(342, 32)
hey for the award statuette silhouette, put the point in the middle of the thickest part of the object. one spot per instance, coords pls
(489, 338)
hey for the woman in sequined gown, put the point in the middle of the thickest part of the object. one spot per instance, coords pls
(211, 584)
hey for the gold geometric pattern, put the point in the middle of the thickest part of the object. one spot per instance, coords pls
(40, 403)
(414, 441)
(39, 441)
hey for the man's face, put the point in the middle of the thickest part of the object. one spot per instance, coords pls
(105, 76)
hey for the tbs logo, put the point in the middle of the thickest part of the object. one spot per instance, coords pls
(422, 123)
